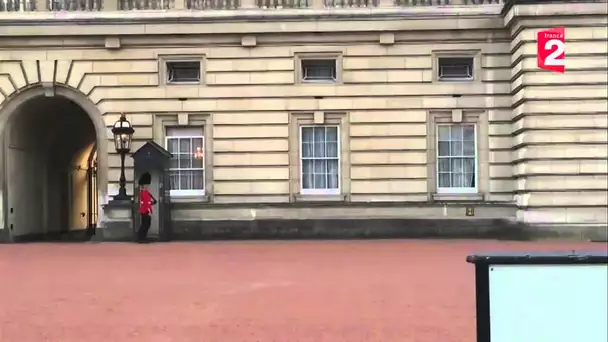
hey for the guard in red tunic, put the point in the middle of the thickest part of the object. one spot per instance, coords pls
(146, 201)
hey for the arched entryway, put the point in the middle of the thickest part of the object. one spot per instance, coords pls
(53, 165)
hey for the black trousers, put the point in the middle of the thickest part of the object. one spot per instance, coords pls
(145, 220)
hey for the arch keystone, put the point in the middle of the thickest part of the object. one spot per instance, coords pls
(49, 89)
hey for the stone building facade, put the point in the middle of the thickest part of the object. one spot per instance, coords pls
(307, 118)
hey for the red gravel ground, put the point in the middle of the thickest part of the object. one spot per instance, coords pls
(298, 291)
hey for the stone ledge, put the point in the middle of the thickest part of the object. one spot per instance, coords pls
(79, 235)
(458, 197)
(515, 9)
(116, 231)
(157, 16)
(495, 229)
(118, 204)
(4, 235)
(325, 210)
(595, 233)
(189, 199)
(297, 23)
(346, 229)
(319, 198)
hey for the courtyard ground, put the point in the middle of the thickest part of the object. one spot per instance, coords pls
(257, 291)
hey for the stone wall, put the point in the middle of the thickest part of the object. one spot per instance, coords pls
(248, 97)
(541, 136)
(560, 121)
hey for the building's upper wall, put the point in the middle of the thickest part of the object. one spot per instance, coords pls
(560, 120)
(230, 5)
(250, 92)
(388, 97)
(247, 18)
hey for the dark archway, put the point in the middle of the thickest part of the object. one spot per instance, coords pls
(50, 170)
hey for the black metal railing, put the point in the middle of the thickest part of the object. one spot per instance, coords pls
(351, 3)
(213, 4)
(17, 5)
(415, 3)
(75, 5)
(282, 3)
(127, 5)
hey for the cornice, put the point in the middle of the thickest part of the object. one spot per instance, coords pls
(515, 9)
(244, 15)
(245, 22)
(508, 4)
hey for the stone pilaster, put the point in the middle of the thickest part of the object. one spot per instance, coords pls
(559, 120)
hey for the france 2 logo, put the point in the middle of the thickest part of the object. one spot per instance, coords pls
(551, 49)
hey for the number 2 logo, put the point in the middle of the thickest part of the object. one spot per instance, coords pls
(551, 50)
(556, 57)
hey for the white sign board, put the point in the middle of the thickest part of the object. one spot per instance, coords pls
(549, 303)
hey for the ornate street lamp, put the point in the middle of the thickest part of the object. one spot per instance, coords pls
(123, 134)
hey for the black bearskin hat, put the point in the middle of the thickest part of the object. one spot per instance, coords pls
(145, 179)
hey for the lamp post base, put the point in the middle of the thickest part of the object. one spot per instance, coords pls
(118, 221)
(122, 198)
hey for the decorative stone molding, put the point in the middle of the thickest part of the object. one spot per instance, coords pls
(112, 43)
(49, 89)
(387, 38)
(248, 41)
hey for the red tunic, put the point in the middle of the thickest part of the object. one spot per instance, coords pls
(145, 202)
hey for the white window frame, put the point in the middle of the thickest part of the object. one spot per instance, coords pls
(335, 191)
(441, 190)
(190, 192)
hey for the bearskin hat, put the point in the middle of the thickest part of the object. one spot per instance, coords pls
(145, 179)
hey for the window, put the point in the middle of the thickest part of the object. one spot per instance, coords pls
(318, 155)
(456, 158)
(318, 70)
(180, 72)
(320, 160)
(455, 68)
(187, 169)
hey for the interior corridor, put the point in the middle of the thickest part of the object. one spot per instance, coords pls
(50, 161)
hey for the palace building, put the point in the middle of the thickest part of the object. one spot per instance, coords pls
(304, 118)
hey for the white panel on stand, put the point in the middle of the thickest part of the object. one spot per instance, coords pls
(549, 303)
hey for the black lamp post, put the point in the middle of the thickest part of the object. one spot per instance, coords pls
(123, 134)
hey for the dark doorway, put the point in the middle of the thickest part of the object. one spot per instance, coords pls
(50, 159)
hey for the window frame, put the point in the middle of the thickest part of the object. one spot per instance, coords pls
(189, 192)
(474, 55)
(334, 191)
(299, 70)
(456, 190)
(169, 68)
(165, 60)
(455, 79)
(309, 117)
(303, 73)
